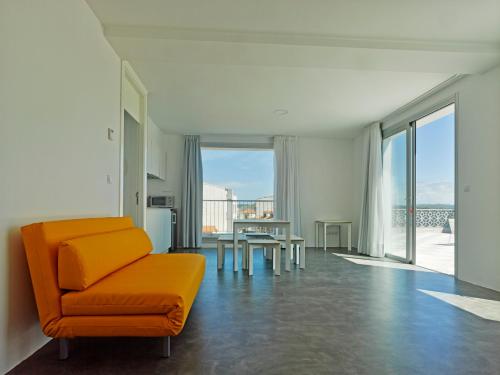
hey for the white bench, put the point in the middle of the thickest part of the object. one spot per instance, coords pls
(299, 245)
(227, 239)
(272, 245)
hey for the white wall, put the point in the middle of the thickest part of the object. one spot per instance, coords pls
(326, 184)
(478, 137)
(59, 92)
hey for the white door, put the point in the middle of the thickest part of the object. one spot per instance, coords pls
(131, 168)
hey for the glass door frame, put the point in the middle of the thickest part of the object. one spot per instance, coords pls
(409, 126)
(410, 204)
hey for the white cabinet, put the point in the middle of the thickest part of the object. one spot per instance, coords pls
(159, 228)
(156, 153)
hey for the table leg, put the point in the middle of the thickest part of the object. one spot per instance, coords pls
(288, 248)
(250, 260)
(244, 258)
(277, 259)
(340, 238)
(302, 255)
(349, 239)
(316, 234)
(235, 247)
(223, 254)
(219, 255)
(324, 236)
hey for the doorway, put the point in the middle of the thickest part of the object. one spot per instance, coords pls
(397, 230)
(435, 190)
(131, 168)
(419, 190)
(132, 197)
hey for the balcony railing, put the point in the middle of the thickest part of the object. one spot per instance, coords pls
(218, 215)
(425, 217)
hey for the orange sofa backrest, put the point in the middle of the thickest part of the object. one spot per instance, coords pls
(41, 242)
(85, 260)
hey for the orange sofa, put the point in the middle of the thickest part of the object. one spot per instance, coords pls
(96, 277)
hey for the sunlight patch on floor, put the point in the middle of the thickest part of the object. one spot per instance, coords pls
(384, 263)
(484, 308)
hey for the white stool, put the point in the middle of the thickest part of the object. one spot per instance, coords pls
(227, 239)
(272, 245)
(299, 245)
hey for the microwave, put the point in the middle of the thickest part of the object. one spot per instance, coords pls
(161, 201)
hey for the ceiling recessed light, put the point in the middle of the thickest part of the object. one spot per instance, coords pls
(280, 112)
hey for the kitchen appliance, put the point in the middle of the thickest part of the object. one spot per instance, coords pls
(161, 201)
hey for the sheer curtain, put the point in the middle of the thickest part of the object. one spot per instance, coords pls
(286, 181)
(192, 193)
(371, 223)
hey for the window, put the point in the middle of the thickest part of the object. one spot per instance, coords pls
(237, 184)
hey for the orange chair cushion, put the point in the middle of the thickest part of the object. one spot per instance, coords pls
(85, 260)
(156, 284)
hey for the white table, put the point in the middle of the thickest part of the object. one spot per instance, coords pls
(326, 224)
(263, 223)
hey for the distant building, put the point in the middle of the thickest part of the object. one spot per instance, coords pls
(264, 207)
(219, 210)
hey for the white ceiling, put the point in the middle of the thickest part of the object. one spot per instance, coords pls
(223, 66)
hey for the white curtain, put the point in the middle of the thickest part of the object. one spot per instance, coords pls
(286, 181)
(371, 223)
(192, 193)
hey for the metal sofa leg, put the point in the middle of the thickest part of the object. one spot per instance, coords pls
(165, 347)
(63, 348)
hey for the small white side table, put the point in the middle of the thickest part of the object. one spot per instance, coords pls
(339, 223)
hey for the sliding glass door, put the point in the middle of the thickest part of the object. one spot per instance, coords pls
(396, 204)
(419, 185)
(435, 190)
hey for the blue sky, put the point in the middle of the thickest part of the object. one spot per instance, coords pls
(250, 173)
(434, 163)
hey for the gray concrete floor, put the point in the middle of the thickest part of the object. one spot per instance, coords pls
(335, 317)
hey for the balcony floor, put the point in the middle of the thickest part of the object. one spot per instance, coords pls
(435, 250)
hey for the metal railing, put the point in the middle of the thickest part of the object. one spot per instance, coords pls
(425, 217)
(218, 215)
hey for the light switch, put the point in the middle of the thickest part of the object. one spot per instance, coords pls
(109, 180)
(111, 134)
(467, 189)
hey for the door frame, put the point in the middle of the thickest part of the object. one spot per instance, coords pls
(134, 100)
(404, 126)
(408, 125)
